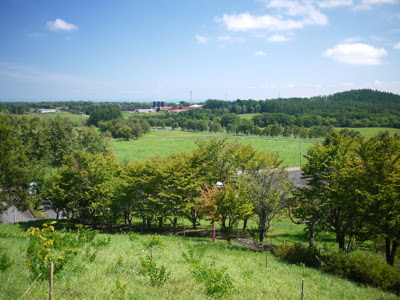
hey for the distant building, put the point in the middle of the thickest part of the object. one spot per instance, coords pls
(185, 108)
(47, 111)
(145, 110)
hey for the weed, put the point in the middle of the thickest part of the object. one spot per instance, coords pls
(120, 290)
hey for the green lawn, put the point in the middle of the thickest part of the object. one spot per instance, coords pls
(164, 142)
(114, 273)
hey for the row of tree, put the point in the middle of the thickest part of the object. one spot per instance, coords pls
(125, 129)
(96, 188)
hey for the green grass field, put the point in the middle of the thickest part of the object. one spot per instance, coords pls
(164, 142)
(373, 131)
(77, 119)
(114, 273)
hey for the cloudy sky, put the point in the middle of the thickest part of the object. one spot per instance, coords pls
(136, 50)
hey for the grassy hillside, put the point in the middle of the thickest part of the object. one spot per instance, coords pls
(112, 272)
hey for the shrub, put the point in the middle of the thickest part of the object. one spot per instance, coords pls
(132, 237)
(154, 241)
(5, 260)
(195, 252)
(101, 241)
(158, 275)
(364, 268)
(41, 252)
(216, 282)
(298, 254)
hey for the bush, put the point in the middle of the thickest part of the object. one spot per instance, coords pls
(216, 282)
(5, 260)
(195, 252)
(101, 241)
(364, 268)
(298, 254)
(154, 241)
(158, 275)
(41, 251)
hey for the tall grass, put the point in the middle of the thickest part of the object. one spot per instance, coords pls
(114, 273)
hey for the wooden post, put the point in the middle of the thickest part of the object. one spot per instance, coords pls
(302, 289)
(151, 253)
(51, 281)
(266, 261)
(121, 234)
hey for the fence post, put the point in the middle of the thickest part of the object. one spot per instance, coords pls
(51, 281)
(266, 261)
(302, 289)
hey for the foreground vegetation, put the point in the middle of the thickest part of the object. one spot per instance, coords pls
(111, 266)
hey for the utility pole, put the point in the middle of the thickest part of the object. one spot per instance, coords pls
(300, 154)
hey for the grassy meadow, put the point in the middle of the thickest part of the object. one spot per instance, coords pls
(113, 272)
(164, 142)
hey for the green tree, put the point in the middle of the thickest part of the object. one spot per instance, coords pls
(86, 182)
(378, 178)
(330, 190)
(229, 205)
(268, 185)
(16, 170)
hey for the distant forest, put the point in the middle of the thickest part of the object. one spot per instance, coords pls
(355, 108)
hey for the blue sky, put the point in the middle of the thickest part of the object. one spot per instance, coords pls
(131, 50)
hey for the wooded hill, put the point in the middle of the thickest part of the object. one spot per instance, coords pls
(355, 108)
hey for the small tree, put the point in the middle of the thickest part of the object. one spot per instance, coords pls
(269, 187)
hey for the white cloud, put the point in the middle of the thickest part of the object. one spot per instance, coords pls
(396, 46)
(356, 54)
(290, 15)
(246, 21)
(369, 4)
(60, 25)
(377, 82)
(305, 9)
(201, 39)
(334, 3)
(278, 38)
(260, 53)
